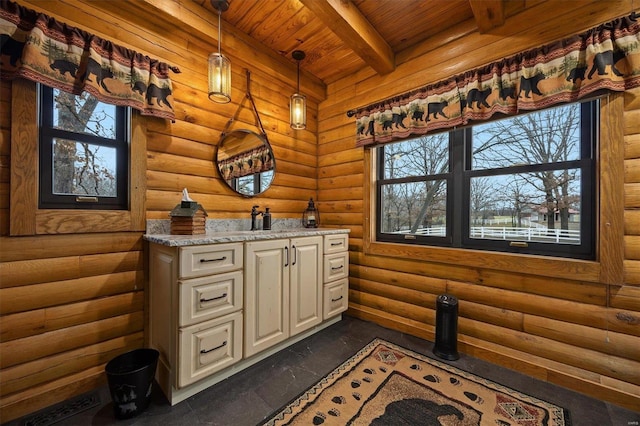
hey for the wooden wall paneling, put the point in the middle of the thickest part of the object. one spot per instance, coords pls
(170, 181)
(626, 297)
(178, 164)
(392, 306)
(387, 319)
(611, 366)
(631, 121)
(631, 272)
(632, 99)
(29, 323)
(632, 247)
(583, 336)
(25, 272)
(33, 373)
(52, 246)
(169, 144)
(632, 170)
(632, 146)
(30, 348)
(546, 266)
(577, 291)
(632, 222)
(563, 310)
(36, 296)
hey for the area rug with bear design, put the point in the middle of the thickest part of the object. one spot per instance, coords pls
(385, 384)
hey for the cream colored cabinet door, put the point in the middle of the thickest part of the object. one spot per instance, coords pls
(266, 293)
(305, 283)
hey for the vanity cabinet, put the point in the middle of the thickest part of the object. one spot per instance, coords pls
(336, 273)
(283, 290)
(220, 303)
(195, 302)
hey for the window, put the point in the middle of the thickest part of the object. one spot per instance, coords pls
(84, 152)
(255, 183)
(523, 184)
(26, 217)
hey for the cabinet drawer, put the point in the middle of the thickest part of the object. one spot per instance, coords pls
(197, 261)
(336, 243)
(208, 297)
(209, 347)
(336, 266)
(336, 298)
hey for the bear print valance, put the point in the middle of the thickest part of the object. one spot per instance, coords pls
(246, 163)
(39, 48)
(604, 58)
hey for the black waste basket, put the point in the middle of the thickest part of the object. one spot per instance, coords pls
(446, 327)
(130, 377)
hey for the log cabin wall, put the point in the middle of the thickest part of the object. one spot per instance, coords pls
(70, 301)
(576, 324)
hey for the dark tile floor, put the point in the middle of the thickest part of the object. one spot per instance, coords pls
(253, 394)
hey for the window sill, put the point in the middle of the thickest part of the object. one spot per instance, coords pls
(574, 269)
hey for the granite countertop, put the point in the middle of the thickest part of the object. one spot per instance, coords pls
(215, 237)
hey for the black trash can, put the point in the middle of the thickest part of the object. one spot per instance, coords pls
(446, 346)
(130, 377)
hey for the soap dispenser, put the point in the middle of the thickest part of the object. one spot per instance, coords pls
(266, 219)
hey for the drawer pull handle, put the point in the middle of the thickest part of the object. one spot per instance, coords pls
(335, 300)
(335, 244)
(213, 260)
(335, 268)
(206, 351)
(214, 298)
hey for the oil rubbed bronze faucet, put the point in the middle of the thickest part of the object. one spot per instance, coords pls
(254, 213)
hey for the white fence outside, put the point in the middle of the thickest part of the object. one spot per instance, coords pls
(544, 235)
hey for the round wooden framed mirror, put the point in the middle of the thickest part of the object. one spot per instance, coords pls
(245, 162)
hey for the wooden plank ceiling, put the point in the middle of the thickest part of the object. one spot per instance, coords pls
(342, 37)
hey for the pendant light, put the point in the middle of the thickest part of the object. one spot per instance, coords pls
(219, 65)
(298, 113)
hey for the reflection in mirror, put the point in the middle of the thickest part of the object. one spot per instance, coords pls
(246, 162)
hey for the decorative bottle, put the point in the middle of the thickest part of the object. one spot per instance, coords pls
(266, 219)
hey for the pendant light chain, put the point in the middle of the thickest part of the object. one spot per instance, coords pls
(219, 30)
(298, 105)
(298, 89)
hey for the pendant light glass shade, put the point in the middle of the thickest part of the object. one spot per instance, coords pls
(219, 78)
(298, 104)
(219, 66)
(298, 118)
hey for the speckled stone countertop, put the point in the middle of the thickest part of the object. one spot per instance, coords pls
(216, 237)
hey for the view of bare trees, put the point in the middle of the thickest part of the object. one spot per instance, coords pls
(80, 167)
(544, 137)
(515, 177)
(416, 204)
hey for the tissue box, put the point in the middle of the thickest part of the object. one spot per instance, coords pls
(188, 218)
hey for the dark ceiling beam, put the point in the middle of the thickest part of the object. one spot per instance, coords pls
(488, 14)
(346, 21)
